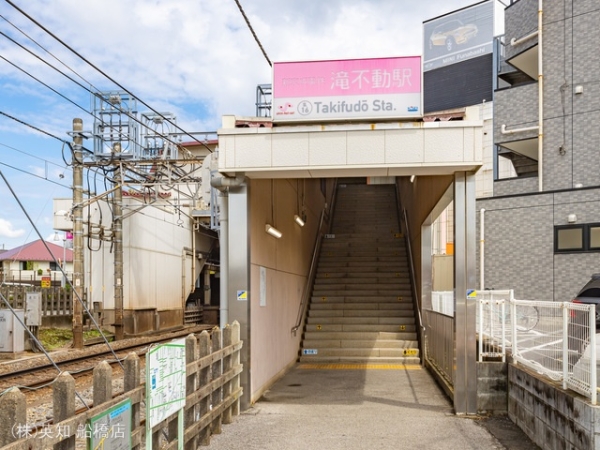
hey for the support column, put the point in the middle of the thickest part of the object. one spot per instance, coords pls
(465, 377)
(239, 279)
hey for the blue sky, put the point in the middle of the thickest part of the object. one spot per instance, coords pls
(195, 59)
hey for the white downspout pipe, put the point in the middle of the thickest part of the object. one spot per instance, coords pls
(482, 249)
(541, 99)
(223, 184)
(224, 258)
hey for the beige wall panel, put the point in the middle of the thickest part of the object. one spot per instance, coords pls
(255, 152)
(366, 147)
(226, 151)
(274, 347)
(444, 145)
(263, 247)
(327, 149)
(287, 261)
(403, 147)
(291, 150)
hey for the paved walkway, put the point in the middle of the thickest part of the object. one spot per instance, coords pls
(355, 407)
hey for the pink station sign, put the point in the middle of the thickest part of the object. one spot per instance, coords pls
(347, 89)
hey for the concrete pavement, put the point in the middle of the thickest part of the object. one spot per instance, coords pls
(356, 407)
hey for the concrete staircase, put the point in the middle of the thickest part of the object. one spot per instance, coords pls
(361, 309)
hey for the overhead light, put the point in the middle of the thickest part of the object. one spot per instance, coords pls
(412, 178)
(273, 231)
(299, 220)
(571, 218)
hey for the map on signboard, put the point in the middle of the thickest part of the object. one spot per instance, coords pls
(165, 380)
(111, 430)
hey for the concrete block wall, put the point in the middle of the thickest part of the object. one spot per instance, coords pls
(516, 108)
(552, 417)
(492, 388)
(520, 20)
(515, 186)
(571, 134)
(519, 243)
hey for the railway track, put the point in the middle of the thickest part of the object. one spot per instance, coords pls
(37, 372)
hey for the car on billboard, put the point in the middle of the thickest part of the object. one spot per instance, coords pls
(452, 33)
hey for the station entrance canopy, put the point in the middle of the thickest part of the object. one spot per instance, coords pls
(347, 150)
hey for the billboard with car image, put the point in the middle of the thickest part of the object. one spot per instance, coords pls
(458, 36)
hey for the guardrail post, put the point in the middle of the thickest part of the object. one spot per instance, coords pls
(217, 371)
(204, 404)
(102, 383)
(13, 410)
(191, 355)
(132, 380)
(63, 398)
(480, 328)
(513, 329)
(503, 328)
(565, 344)
(593, 356)
(227, 340)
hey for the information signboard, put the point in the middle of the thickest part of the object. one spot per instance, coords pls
(111, 429)
(165, 381)
(377, 88)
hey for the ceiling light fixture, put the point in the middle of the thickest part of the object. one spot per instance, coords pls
(273, 231)
(298, 220)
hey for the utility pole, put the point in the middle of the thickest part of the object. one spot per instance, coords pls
(77, 233)
(117, 226)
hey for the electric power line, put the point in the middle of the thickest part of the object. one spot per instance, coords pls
(104, 73)
(253, 33)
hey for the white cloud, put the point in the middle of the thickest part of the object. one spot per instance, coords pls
(7, 230)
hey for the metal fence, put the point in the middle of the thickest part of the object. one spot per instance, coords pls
(552, 338)
(56, 301)
(439, 343)
(212, 398)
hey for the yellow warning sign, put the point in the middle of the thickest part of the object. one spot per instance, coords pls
(46, 282)
(242, 296)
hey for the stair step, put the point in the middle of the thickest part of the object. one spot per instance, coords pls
(381, 277)
(366, 352)
(362, 320)
(371, 269)
(406, 301)
(323, 315)
(408, 331)
(370, 335)
(371, 306)
(358, 343)
(407, 360)
(322, 292)
(389, 282)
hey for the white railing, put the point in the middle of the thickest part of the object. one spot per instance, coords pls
(552, 338)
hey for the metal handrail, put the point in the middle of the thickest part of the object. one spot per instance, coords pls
(412, 267)
(313, 266)
(311, 276)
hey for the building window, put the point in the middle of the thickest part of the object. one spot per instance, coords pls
(594, 237)
(577, 238)
(54, 266)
